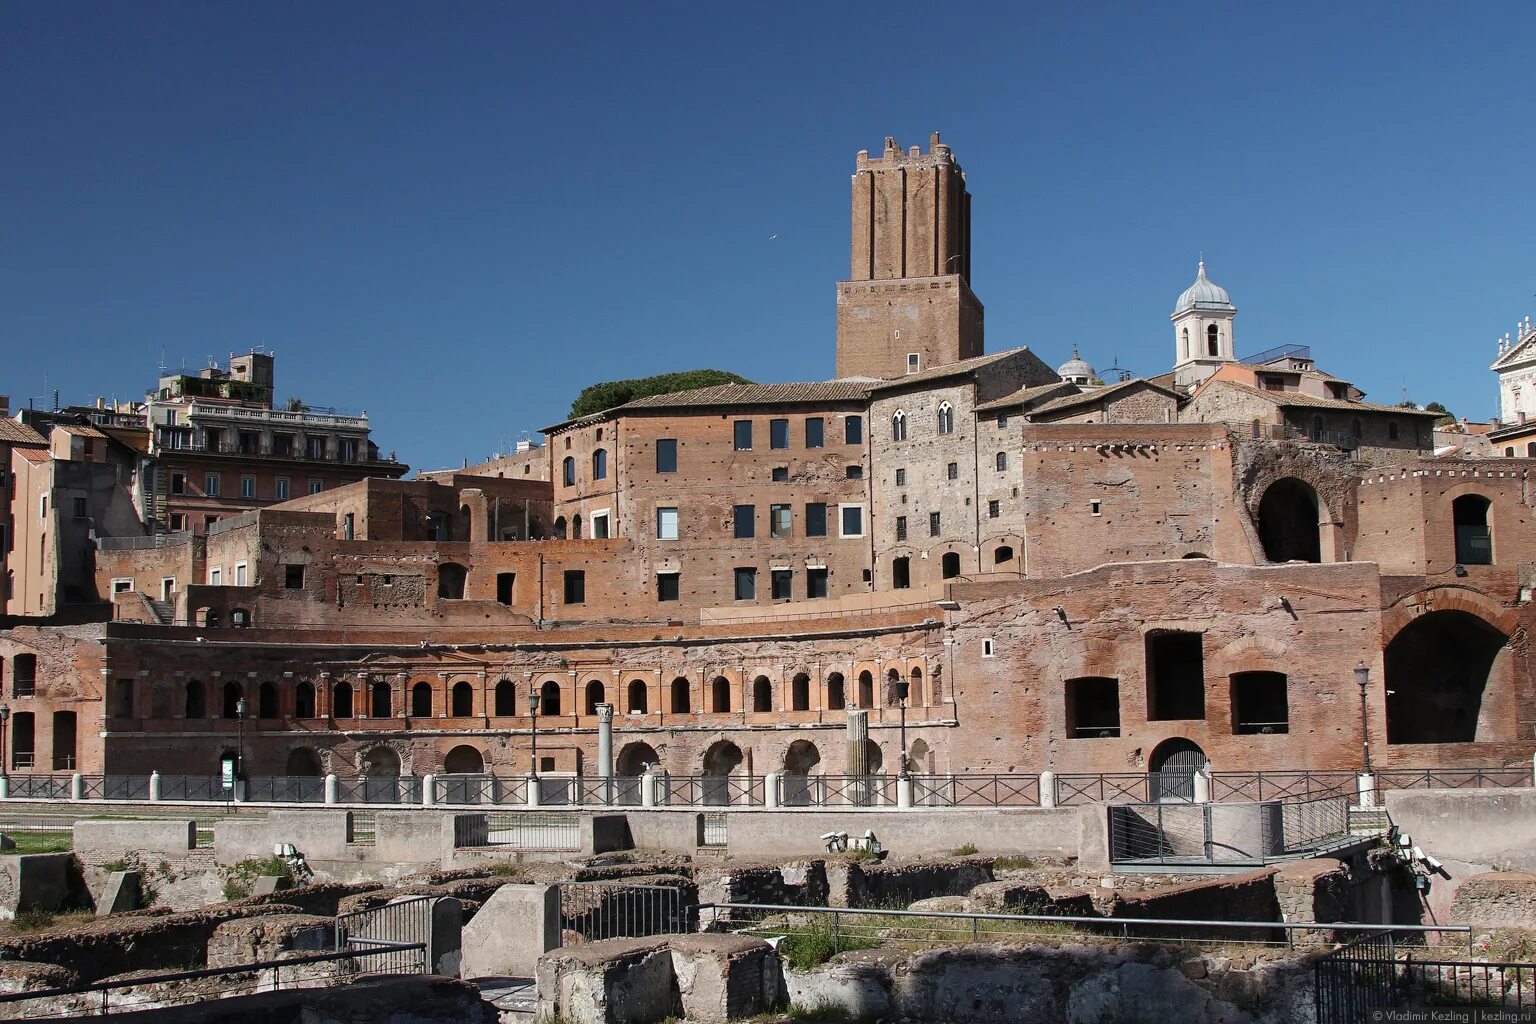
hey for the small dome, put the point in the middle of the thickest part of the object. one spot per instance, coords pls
(1076, 368)
(1203, 294)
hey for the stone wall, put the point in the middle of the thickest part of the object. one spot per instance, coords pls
(1497, 899)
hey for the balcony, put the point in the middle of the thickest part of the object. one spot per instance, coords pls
(266, 450)
(198, 413)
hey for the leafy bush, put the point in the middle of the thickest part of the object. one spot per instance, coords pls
(241, 877)
(609, 393)
(1013, 863)
(968, 850)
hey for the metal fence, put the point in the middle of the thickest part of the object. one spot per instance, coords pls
(397, 935)
(193, 787)
(1394, 970)
(40, 787)
(517, 831)
(976, 791)
(383, 789)
(610, 910)
(715, 829)
(114, 787)
(1453, 778)
(284, 789)
(1234, 834)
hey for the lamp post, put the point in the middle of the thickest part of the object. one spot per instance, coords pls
(5, 716)
(902, 688)
(1363, 679)
(533, 717)
(240, 747)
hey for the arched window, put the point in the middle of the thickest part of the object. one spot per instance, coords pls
(899, 426)
(951, 564)
(916, 696)
(680, 702)
(866, 690)
(800, 693)
(197, 706)
(381, 702)
(266, 701)
(1002, 461)
(341, 700)
(304, 700)
(892, 677)
(464, 760)
(720, 695)
(946, 418)
(576, 527)
(549, 698)
(762, 695)
(1184, 347)
(231, 700)
(304, 763)
(1002, 555)
(596, 694)
(837, 699)
(568, 471)
(506, 698)
(559, 528)
(463, 702)
(1474, 538)
(638, 703)
(600, 464)
(421, 701)
(1213, 340)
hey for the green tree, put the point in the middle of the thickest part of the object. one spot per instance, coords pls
(610, 393)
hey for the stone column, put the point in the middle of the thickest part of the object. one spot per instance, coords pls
(533, 790)
(904, 792)
(858, 734)
(1202, 783)
(605, 750)
(1047, 789)
(77, 786)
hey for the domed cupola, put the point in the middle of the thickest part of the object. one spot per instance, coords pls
(1203, 294)
(1077, 370)
(1202, 330)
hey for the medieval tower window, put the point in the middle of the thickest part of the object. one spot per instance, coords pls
(946, 418)
(1213, 340)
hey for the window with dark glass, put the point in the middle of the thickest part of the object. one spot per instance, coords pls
(993, 509)
(779, 521)
(666, 455)
(745, 519)
(780, 474)
(855, 472)
(743, 431)
(815, 428)
(952, 471)
(778, 433)
(853, 429)
(815, 519)
(783, 580)
(575, 586)
(933, 524)
(746, 584)
(901, 528)
(667, 586)
(816, 583)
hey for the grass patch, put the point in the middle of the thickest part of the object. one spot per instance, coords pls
(1018, 863)
(241, 877)
(823, 1012)
(42, 842)
(32, 920)
(968, 850)
(817, 942)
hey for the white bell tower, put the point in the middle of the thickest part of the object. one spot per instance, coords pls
(1202, 330)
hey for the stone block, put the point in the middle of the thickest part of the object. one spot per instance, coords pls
(266, 885)
(251, 939)
(724, 977)
(1017, 897)
(124, 891)
(1497, 899)
(516, 926)
(609, 982)
(97, 842)
(39, 881)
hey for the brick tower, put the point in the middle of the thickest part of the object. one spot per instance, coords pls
(907, 303)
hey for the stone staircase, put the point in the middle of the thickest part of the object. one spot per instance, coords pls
(1368, 821)
(164, 611)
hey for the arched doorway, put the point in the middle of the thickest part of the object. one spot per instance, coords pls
(1172, 769)
(629, 767)
(304, 763)
(1438, 670)
(464, 760)
(1474, 538)
(801, 757)
(950, 565)
(1288, 522)
(720, 761)
(381, 762)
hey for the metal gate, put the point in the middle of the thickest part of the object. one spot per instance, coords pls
(405, 922)
(1172, 777)
(1391, 971)
(610, 910)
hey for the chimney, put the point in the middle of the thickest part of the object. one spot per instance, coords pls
(5, 405)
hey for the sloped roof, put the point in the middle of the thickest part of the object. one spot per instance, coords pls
(1297, 400)
(853, 389)
(34, 455)
(18, 433)
(1024, 396)
(78, 430)
(1098, 395)
(963, 367)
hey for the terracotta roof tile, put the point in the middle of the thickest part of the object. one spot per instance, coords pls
(1024, 396)
(19, 433)
(1296, 400)
(1097, 395)
(961, 368)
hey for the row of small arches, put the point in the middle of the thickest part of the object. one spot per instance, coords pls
(945, 422)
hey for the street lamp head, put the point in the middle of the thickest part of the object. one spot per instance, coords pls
(534, 697)
(1362, 675)
(5, 712)
(240, 707)
(901, 688)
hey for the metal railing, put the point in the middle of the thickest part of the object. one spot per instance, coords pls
(1281, 785)
(1174, 834)
(1100, 789)
(976, 791)
(380, 789)
(864, 927)
(396, 934)
(193, 787)
(517, 831)
(285, 789)
(590, 911)
(97, 998)
(1394, 970)
(40, 787)
(1453, 778)
(114, 787)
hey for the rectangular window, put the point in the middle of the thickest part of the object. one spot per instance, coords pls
(666, 524)
(746, 584)
(952, 471)
(667, 586)
(901, 528)
(855, 472)
(914, 363)
(316, 447)
(783, 581)
(575, 586)
(178, 521)
(600, 526)
(178, 483)
(1175, 676)
(901, 478)
(816, 582)
(666, 455)
(743, 430)
(240, 569)
(282, 488)
(852, 517)
(781, 474)
(994, 509)
(1002, 422)
(247, 487)
(293, 577)
(209, 521)
(1093, 708)
(122, 586)
(1096, 507)
(348, 526)
(933, 524)
(815, 429)
(349, 451)
(853, 429)
(988, 650)
(506, 583)
(1002, 461)
(79, 508)
(779, 520)
(211, 485)
(316, 486)
(815, 519)
(215, 576)
(778, 433)
(745, 519)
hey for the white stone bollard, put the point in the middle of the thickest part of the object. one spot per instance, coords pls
(154, 787)
(533, 790)
(332, 789)
(1047, 789)
(773, 789)
(1202, 788)
(1365, 786)
(77, 786)
(648, 786)
(904, 792)
(429, 790)
(240, 792)
(5, 787)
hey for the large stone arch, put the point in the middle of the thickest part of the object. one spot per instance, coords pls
(1261, 465)
(1448, 677)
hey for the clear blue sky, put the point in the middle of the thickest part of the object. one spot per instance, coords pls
(456, 215)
